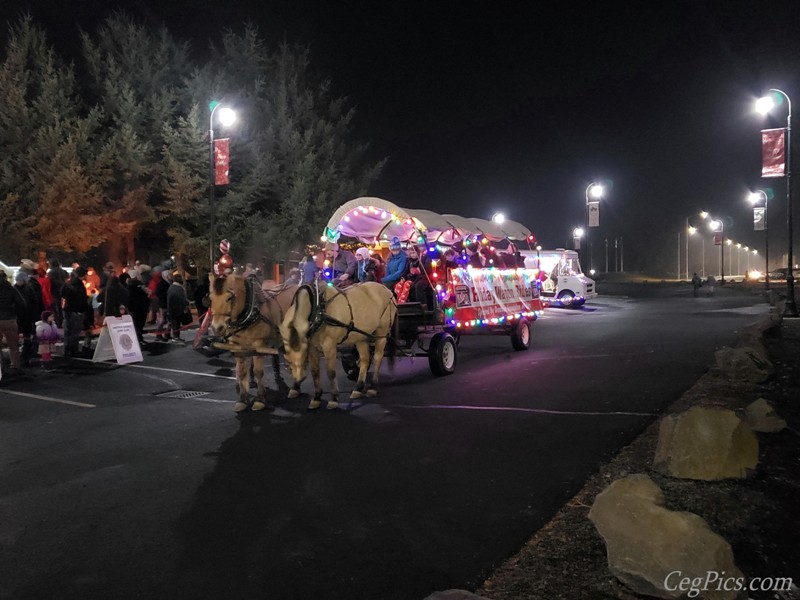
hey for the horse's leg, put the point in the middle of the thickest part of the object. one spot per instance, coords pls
(380, 348)
(363, 367)
(313, 364)
(329, 349)
(258, 371)
(243, 378)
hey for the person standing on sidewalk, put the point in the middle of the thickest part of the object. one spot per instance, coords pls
(58, 278)
(76, 302)
(710, 283)
(11, 305)
(47, 334)
(162, 320)
(26, 319)
(177, 307)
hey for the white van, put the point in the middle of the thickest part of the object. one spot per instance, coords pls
(565, 284)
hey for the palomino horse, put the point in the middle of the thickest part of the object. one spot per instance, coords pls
(321, 318)
(247, 319)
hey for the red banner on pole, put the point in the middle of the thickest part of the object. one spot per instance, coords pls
(718, 239)
(221, 161)
(773, 153)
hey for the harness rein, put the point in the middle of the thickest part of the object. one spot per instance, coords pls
(319, 317)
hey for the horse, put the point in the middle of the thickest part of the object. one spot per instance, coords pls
(322, 317)
(247, 319)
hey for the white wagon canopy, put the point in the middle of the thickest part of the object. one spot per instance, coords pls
(375, 220)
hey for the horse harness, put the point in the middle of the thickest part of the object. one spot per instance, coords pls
(250, 315)
(319, 317)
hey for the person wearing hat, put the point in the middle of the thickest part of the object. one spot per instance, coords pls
(11, 305)
(396, 266)
(47, 335)
(365, 267)
(343, 263)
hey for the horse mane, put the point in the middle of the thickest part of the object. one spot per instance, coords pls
(219, 285)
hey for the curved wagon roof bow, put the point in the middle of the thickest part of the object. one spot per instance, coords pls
(368, 218)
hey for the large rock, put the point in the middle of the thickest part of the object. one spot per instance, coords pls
(705, 443)
(647, 543)
(745, 363)
(761, 416)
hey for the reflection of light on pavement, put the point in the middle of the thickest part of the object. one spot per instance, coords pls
(529, 410)
(47, 399)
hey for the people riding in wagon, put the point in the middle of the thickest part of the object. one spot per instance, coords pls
(366, 269)
(474, 257)
(396, 266)
(342, 262)
(419, 267)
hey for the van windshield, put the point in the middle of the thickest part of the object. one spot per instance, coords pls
(568, 266)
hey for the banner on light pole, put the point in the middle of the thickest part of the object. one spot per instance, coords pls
(221, 161)
(576, 243)
(718, 239)
(773, 152)
(759, 218)
(594, 214)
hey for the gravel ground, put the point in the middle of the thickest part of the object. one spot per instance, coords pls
(758, 516)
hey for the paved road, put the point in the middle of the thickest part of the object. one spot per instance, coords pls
(126, 491)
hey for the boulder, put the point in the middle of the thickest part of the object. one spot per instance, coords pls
(651, 548)
(705, 443)
(761, 416)
(744, 363)
(454, 595)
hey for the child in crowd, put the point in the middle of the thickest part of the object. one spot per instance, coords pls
(47, 334)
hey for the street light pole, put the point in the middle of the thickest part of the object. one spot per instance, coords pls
(595, 190)
(764, 105)
(227, 117)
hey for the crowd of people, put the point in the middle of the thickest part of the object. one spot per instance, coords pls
(41, 303)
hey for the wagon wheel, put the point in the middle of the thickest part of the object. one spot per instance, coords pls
(521, 335)
(442, 354)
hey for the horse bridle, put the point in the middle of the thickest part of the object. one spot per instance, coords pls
(247, 317)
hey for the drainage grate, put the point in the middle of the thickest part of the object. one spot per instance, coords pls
(181, 394)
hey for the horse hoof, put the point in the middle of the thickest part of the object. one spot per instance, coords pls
(355, 394)
(293, 393)
(314, 405)
(332, 405)
(239, 407)
(372, 393)
(258, 405)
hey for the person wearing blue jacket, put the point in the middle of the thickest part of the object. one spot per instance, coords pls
(396, 266)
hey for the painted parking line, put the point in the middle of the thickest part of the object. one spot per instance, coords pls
(528, 410)
(159, 369)
(47, 399)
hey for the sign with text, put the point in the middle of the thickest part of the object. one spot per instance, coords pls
(493, 293)
(773, 152)
(594, 214)
(118, 341)
(222, 153)
(759, 218)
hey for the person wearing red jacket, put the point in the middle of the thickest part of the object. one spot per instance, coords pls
(44, 282)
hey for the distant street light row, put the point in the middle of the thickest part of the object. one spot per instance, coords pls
(715, 226)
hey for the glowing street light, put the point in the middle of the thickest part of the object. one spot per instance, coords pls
(499, 218)
(765, 105)
(577, 233)
(226, 118)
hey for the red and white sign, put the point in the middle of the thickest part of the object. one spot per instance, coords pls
(221, 161)
(773, 152)
(493, 293)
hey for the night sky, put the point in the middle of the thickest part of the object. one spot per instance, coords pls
(517, 107)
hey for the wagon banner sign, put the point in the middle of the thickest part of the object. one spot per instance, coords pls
(494, 293)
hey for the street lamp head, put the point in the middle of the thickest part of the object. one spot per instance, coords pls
(226, 116)
(729, 242)
(715, 225)
(692, 230)
(746, 248)
(765, 104)
(755, 197)
(738, 245)
(755, 251)
(577, 232)
(499, 218)
(596, 191)
(703, 214)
